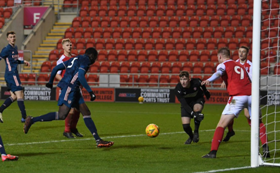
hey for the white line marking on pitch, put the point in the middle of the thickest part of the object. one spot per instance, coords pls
(227, 169)
(106, 137)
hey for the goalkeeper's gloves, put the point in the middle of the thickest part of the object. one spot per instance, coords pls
(49, 85)
(207, 94)
(197, 116)
(92, 96)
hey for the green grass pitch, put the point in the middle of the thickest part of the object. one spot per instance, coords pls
(45, 150)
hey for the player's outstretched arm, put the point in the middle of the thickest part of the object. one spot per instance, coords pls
(84, 83)
(206, 92)
(53, 74)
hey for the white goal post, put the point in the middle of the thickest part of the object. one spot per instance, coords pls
(271, 80)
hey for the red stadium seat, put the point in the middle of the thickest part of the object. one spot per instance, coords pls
(180, 11)
(163, 22)
(132, 55)
(114, 22)
(112, 55)
(231, 10)
(7, 13)
(84, 11)
(102, 55)
(223, 42)
(247, 21)
(176, 67)
(174, 80)
(173, 55)
(180, 44)
(176, 33)
(187, 32)
(97, 33)
(201, 44)
(193, 21)
(201, 10)
(103, 11)
(219, 32)
(233, 43)
(242, 9)
(142, 55)
(170, 10)
(204, 55)
(166, 67)
(152, 56)
(90, 43)
(214, 21)
(86, 22)
(225, 21)
(69, 32)
(235, 20)
(81, 43)
(141, 11)
(145, 67)
(95, 22)
(151, 10)
(194, 56)
(166, 33)
(190, 11)
(124, 67)
(173, 22)
(115, 66)
(122, 55)
(117, 33)
(239, 32)
(211, 9)
(149, 44)
(54, 55)
(208, 32)
(76, 22)
(197, 32)
(190, 45)
(110, 44)
(155, 67)
(160, 11)
(88, 33)
(136, 33)
(143, 80)
(169, 44)
(162, 56)
(143, 22)
(134, 21)
(211, 44)
(107, 33)
(204, 21)
(164, 81)
(119, 44)
(93, 11)
(153, 22)
(183, 56)
(221, 9)
(153, 80)
(122, 11)
(187, 66)
(229, 32)
(146, 32)
(112, 11)
(139, 44)
(104, 67)
(126, 32)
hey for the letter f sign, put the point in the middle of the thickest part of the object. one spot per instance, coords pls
(36, 17)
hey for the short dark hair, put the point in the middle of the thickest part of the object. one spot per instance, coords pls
(90, 51)
(10, 32)
(184, 73)
(245, 47)
(224, 51)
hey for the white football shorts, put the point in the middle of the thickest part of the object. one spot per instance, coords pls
(236, 104)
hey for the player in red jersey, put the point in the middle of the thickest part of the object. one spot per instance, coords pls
(243, 52)
(74, 115)
(238, 85)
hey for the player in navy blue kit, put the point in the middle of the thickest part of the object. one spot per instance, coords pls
(71, 96)
(10, 55)
(4, 155)
(190, 93)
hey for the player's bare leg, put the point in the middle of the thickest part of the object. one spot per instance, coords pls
(197, 119)
(187, 128)
(218, 135)
(92, 128)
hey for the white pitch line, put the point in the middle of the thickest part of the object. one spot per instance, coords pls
(109, 137)
(227, 169)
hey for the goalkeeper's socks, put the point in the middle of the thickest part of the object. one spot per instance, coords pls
(6, 104)
(218, 135)
(47, 117)
(263, 136)
(91, 126)
(196, 126)
(2, 149)
(187, 128)
(22, 108)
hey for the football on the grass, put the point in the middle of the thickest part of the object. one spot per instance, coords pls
(152, 130)
(141, 99)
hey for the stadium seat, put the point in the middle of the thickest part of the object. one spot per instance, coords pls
(105, 22)
(115, 66)
(142, 55)
(233, 43)
(160, 11)
(163, 22)
(112, 11)
(112, 55)
(173, 56)
(132, 55)
(183, 56)
(151, 10)
(201, 10)
(180, 44)
(218, 32)
(46, 66)
(145, 67)
(159, 2)
(208, 68)
(190, 11)
(274, 9)
(223, 42)
(187, 32)
(193, 21)
(90, 43)
(200, 2)
(123, 80)
(229, 32)
(131, 11)
(208, 32)
(204, 21)
(122, 2)
(176, 67)
(76, 22)
(213, 56)
(147, 32)
(92, 79)
(122, 55)
(107, 33)
(102, 55)
(117, 33)
(204, 56)
(190, 45)
(97, 33)
(152, 56)
(81, 43)
(170, 10)
(276, 69)
(141, 11)
(184, 21)
(139, 44)
(88, 33)
(7, 13)
(149, 44)
(221, 9)
(122, 11)
(84, 11)
(86, 22)
(176, 33)
(109, 44)
(166, 32)
(231, 9)
(187, 66)
(93, 11)
(235, 20)
(124, 68)
(78, 33)
(143, 21)
(174, 80)
(194, 56)
(173, 22)
(155, 67)
(69, 32)
(119, 44)
(114, 22)
(153, 22)
(166, 67)
(225, 21)
(104, 67)
(153, 80)
(214, 21)
(169, 44)
(103, 11)
(239, 32)
(242, 9)
(201, 44)
(54, 55)
(162, 56)
(136, 33)
(246, 42)
(100, 44)
(180, 11)
(247, 21)
(42, 79)
(31, 79)
(126, 32)
(164, 81)
(143, 80)
(197, 32)
(211, 9)
(197, 67)
(95, 22)
(134, 21)
(212, 44)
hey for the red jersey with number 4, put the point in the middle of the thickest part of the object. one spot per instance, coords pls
(236, 78)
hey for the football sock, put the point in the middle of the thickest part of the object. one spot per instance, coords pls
(22, 108)
(47, 117)
(91, 126)
(230, 126)
(75, 119)
(6, 104)
(68, 120)
(263, 136)
(2, 149)
(218, 135)
(187, 128)
(196, 126)
(249, 122)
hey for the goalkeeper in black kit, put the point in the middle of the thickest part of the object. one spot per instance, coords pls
(190, 93)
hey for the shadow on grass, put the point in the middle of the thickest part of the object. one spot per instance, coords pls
(37, 154)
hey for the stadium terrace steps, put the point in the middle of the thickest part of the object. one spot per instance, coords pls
(48, 44)
(57, 4)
